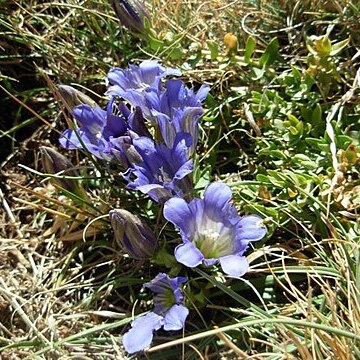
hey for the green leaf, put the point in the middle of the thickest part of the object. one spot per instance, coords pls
(261, 210)
(262, 178)
(300, 128)
(155, 44)
(176, 53)
(296, 73)
(293, 130)
(249, 49)
(305, 161)
(214, 49)
(343, 141)
(259, 73)
(201, 175)
(276, 179)
(278, 154)
(293, 120)
(318, 144)
(336, 48)
(316, 115)
(271, 53)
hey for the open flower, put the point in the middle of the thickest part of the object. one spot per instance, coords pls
(169, 313)
(103, 133)
(131, 84)
(212, 231)
(176, 110)
(162, 173)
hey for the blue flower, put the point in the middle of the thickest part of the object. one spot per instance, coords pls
(103, 133)
(212, 231)
(169, 313)
(176, 110)
(162, 172)
(131, 84)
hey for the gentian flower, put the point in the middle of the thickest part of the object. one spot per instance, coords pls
(131, 14)
(133, 234)
(176, 110)
(102, 133)
(169, 313)
(212, 231)
(131, 84)
(162, 173)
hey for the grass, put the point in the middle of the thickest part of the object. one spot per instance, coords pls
(281, 128)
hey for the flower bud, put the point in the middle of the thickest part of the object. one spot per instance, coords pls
(231, 44)
(133, 234)
(131, 14)
(54, 163)
(72, 97)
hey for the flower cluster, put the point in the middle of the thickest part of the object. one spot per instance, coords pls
(150, 129)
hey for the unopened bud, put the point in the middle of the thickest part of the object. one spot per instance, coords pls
(131, 14)
(55, 163)
(320, 45)
(133, 155)
(231, 44)
(133, 234)
(72, 97)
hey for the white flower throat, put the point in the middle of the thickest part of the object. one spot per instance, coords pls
(213, 240)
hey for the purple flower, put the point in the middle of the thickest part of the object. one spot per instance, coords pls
(133, 234)
(162, 172)
(212, 231)
(169, 312)
(177, 110)
(103, 133)
(131, 84)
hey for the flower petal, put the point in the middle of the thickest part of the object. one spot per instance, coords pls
(189, 255)
(91, 119)
(139, 337)
(177, 211)
(250, 228)
(184, 170)
(217, 195)
(175, 317)
(202, 92)
(69, 140)
(234, 265)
